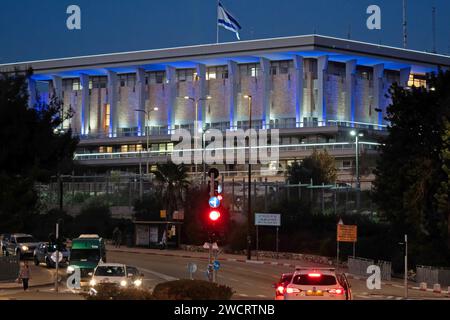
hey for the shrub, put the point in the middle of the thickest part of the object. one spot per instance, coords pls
(191, 290)
(107, 291)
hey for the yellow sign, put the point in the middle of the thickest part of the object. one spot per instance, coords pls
(163, 214)
(347, 233)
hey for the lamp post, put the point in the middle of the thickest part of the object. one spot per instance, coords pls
(147, 132)
(249, 212)
(196, 102)
(357, 135)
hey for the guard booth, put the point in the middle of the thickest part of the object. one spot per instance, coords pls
(150, 234)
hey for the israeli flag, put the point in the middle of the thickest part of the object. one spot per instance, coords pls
(226, 20)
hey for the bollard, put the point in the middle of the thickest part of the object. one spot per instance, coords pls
(423, 286)
(437, 288)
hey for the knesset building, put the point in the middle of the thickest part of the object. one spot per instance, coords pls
(314, 89)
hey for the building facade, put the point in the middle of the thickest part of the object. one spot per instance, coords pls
(314, 89)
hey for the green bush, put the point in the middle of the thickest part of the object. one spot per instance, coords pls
(114, 292)
(191, 290)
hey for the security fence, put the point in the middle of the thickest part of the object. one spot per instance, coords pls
(433, 275)
(358, 266)
(9, 268)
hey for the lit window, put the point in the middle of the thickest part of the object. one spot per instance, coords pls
(139, 148)
(211, 75)
(417, 81)
(170, 147)
(124, 148)
(109, 149)
(101, 149)
(107, 116)
(162, 147)
(76, 85)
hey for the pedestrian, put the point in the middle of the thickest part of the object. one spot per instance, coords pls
(24, 275)
(117, 236)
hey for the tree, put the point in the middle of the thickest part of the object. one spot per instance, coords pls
(319, 167)
(410, 170)
(31, 151)
(173, 181)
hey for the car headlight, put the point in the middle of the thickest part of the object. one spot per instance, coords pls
(92, 283)
(25, 248)
(70, 269)
(138, 282)
(123, 283)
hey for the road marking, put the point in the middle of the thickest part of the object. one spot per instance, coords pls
(261, 296)
(243, 295)
(233, 279)
(398, 286)
(364, 297)
(159, 275)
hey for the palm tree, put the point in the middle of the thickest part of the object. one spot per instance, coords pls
(173, 180)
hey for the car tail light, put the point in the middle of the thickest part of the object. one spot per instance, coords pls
(280, 289)
(336, 291)
(314, 275)
(292, 290)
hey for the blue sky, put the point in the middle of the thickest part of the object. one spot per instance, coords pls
(36, 29)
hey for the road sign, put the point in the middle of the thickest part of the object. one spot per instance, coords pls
(347, 233)
(163, 214)
(214, 202)
(192, 267)
(53, 256)
(216, 265)
(268, 219)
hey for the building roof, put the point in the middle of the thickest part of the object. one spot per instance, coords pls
(242, 52)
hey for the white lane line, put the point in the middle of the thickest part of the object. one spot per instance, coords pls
(261, 296)
(233, 279)
(389, 297)
(364, 297)
(159, 275)
(398, 286)
(243, 295)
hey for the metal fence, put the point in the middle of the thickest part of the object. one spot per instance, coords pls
(358, 266)
(433, 275)
(9, 268)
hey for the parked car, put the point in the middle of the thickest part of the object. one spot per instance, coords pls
(4, 239)
(43, 254)
(21, 245)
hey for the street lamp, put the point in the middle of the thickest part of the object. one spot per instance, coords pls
(147, 133)
(249, 212)
(196, 102)
(357, 135)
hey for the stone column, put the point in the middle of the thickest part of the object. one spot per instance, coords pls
(298, 87)
(140, 93)
(112, 101)
(201, 93)
(266, 87)
(233, 84)
(85, 104)
(322, 68)
(378, 91)
(171, 92)
(350, 73)
(32, 92)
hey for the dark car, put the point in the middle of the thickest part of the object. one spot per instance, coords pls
(280, 286)
(43, 254)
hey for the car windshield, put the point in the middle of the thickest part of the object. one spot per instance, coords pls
(25, 240)
(286, 278)
(110, 271)
(52, 247)
(85, 254)
(306, 280)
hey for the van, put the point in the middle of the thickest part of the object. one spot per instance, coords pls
(86, 253)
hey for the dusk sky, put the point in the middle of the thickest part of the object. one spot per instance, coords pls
(35, 30)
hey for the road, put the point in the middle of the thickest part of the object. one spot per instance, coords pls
(248, 280)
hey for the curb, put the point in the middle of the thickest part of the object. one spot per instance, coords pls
(18, 286)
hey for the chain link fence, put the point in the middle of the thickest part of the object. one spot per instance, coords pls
(358, 266)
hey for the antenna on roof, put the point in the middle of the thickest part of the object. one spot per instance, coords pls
(433, 16)
(349, 32)
(405, 25)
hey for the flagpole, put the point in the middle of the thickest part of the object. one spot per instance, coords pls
(217, 21)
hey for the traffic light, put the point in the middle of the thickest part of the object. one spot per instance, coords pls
(214, 215)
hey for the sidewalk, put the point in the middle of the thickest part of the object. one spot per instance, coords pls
(222, 257)
(40, 277)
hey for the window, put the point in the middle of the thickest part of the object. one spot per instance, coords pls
(127, 80)
(185, 75)
(156, 77)
(417, 81)
(107, 111)
(307, 280)
(170, 147)
(249, 70)
(217, 73)
(124, 148)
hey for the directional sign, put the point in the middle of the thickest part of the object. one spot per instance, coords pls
(192, 267)
(214, 202)
(347, 233)
(216, 265)
(53, 256)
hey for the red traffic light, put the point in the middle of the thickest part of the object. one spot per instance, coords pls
(214, 215)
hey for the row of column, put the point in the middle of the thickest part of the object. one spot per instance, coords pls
(233, 76)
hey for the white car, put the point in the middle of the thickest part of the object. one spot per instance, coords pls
(318, 284)
(116, 273)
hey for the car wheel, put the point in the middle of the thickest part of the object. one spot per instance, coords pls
(36, 261)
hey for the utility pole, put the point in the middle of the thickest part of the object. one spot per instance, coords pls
(405, 26)
(406, 266)
(57, 256)
(249, 212)
(434, 50)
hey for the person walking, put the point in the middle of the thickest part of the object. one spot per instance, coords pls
(24, 275)
(117, 235)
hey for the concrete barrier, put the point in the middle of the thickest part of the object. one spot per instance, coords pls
(423, 286)
(437, 288)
